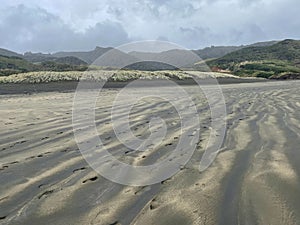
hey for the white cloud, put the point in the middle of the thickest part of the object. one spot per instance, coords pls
(193, 23)
(35, 29)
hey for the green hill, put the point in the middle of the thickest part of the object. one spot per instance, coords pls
(41, 57)
(14, 65)
(220, 51)
(270, 59)
(11, 65)
(38, 57)
(5, 52)
(216, 51)
(280, 59)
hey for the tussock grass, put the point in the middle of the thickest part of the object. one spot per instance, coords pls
(105, 75)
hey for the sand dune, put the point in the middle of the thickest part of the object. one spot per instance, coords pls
(254, 179)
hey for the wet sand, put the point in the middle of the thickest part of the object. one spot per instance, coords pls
(254, 179)
(70, 86)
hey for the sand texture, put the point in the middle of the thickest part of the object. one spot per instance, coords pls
(254, 179)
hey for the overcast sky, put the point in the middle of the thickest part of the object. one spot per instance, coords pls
(53, 25)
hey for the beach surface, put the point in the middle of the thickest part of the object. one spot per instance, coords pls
(255, 178)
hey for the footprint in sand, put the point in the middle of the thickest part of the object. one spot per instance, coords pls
(41, 185)
(31, 157)
(3, 168)
(79, 169)
(142, 190)
(165, 181)
(129, 151)
(66, 150)
(115, 223)
(44, 194)
(154, 204)
(90, 180)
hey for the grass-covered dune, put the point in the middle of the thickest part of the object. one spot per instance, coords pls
(279, 61)
(271, 69)
(106, 75)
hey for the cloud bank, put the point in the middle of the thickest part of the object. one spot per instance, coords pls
(50, 26)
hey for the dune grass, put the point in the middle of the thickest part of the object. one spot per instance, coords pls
(105, 75)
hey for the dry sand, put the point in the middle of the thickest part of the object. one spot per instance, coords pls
(254, 179)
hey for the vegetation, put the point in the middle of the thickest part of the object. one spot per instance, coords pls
(273, 61)
(214, 52)
(54, 66)
(264, 68)
(5, 52)
(105, 75)
(288, 50)
(15, 65)
(38, 57)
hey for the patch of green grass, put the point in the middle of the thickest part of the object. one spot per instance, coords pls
(264, 68)
(267, 61)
